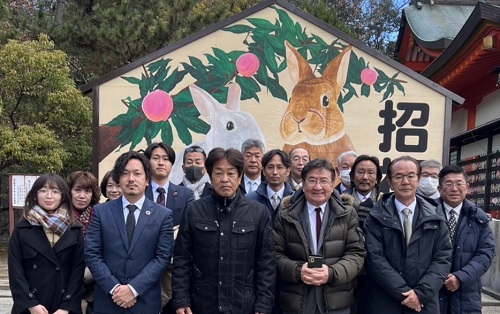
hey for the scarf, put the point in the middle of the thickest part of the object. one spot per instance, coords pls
(54, 225)
(83, 217)
(197, 187)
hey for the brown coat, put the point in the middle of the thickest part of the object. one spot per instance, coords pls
(343, 252)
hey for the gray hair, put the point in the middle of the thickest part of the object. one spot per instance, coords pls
(346, 154)
(431, 163)
(252, 142)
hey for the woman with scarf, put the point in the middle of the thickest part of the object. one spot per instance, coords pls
(85, 193)
(46, 252)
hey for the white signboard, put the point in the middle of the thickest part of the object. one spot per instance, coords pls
(20, 186)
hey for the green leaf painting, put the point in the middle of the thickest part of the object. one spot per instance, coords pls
(255, 68)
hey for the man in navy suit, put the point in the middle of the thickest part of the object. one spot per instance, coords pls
(129, 243)
(161, 158)
(160, 190)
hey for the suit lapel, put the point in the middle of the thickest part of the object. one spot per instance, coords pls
(171, 196)
(38, 241)
(117, 212)
(304, 220)
(145, 214)
(68, 239)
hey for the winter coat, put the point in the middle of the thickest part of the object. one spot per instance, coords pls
(40, 274)
(473, 251)
(343, 253)
(394, 268)
(260, 195)
(224, 258)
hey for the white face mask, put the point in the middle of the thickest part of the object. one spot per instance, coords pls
(345, 178)
(428, 185)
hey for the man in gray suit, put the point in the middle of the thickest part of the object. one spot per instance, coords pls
(129, 243)
(319, 246)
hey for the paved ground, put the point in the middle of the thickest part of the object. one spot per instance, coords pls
(490, 305)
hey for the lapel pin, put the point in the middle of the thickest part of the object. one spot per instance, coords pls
(148, 212)
(175, 193)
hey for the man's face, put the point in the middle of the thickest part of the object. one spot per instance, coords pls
(133, 180)
(365, 176)
(344, 168)
(224, 178)
(160, 164)
(276, 173)
(194, 159)
(252, 162)
(432, 172)
(318, 186)
(453, 189)
(404, 181)
(299, 158)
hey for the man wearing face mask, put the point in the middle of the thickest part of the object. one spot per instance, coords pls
(429, 180)
(195, 175)
(343, 169)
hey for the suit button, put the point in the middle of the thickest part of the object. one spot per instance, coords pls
(57, 268)
(62, 291)
(129, 259)
(35, 266)
(30, 295)
(68, 296)
(128, 279)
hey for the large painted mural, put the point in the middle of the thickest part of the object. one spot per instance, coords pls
(276, 77)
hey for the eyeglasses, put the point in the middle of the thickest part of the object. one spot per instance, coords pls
(458, 185)
(194, 150)
(427, 175)
(44, 191)
(298, 158)
(313, 181)
(399, 177)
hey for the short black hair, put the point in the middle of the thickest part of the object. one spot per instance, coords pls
(285, 159)
(104, 182)
(193, 149)
(233, 156)
(123, 160)
(170, 151)
(361, 158)
(452, 169)
(317, 163)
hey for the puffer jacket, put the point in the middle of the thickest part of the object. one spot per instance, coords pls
(343, 252)
(394, 268)
(224, 258)
(473, 251)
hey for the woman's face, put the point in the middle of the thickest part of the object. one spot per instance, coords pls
(49, 198)
(80, 197)
(113, 190)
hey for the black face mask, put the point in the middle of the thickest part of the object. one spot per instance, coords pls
(194, 173)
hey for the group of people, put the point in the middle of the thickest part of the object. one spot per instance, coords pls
(250, 231)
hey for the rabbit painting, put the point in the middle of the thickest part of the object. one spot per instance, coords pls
(312, 119)
(229, 127)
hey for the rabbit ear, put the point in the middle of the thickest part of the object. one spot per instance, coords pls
(233, 97)
(336, 70)
(204, 102)
(297, 66)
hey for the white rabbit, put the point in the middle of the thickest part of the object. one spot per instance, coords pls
(229, 127)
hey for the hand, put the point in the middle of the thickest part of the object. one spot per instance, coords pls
(412, 301)
(184, 310)
(123, 296)
(314, 276)
(59, 311)
(452, 283)
(38, 309)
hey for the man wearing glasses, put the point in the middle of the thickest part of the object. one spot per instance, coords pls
(319, 246)
(428, 184)
(473, 244)
(298, 157)
(408, 246)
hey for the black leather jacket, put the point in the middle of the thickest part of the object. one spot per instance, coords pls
(224, 258)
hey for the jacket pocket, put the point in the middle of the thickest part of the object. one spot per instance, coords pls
(243, 236)
(207, 231)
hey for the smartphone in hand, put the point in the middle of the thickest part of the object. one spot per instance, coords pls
(315, 261)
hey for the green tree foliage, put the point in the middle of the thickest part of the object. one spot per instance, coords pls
(45, 121)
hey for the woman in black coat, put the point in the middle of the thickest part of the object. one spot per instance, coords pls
(46, 252)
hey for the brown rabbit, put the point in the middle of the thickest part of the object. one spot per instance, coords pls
(312, 119)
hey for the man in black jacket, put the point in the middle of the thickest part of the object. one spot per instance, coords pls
(224, 258)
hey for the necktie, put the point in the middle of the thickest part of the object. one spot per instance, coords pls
(275, 200)
(161, 196)
(250, 186)
(130, 224)
(407, 224)
(318, 224)
(452, 223)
